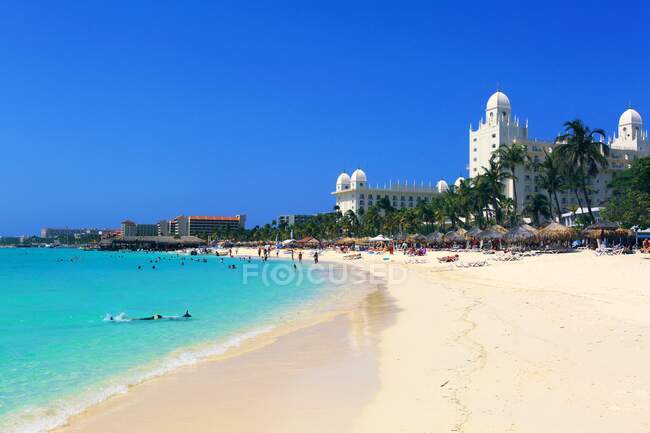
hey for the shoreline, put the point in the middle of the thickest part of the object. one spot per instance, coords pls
(548, 343)
(328, 306)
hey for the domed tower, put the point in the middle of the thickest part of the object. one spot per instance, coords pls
(442, 186)
(631, 135)
(358, 179)
(343, 182)
(459, 181)
(498, 108)
(498, 128)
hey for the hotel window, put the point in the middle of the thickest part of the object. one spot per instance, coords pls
(403, 198)
(475, 159)
(362, 196)
(475, 150)
(411, 198)
(494, 146)
(494, 135)
(370, 196)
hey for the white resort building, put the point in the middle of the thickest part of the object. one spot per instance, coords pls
(501, 127)
(356, 194)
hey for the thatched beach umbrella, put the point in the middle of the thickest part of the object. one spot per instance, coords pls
(416, 238)
(454, 237)
(624, 233)
(606, 228)
(556, 232)
(603, 225)
(519, 234)
(530, 228)
(473, 232)
(435, 238)
(490, 234)
(500, 229)
(345, 241)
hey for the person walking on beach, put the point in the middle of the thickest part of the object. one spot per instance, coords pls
(300, 256)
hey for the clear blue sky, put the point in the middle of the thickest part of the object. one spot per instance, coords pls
(148, 110)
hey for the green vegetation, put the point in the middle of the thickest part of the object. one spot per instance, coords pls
(630, 203)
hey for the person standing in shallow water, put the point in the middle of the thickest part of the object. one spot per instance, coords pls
(300, 256)
(316, 257)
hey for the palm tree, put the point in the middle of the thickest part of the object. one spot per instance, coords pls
(584, 152)
(536, 205)
(371, 221)
(492, 181)
(384, 205)
(510, 157)
(350, 222)
(550, 178)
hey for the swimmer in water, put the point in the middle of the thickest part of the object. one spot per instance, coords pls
(154, 317)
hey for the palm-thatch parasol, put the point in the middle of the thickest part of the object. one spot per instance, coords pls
(603, 225)
(530, 228)
(435, 237)
(454, 237)
(500, 229)
(416, 238)
(461, 231)
(519, 234)
(624, 233)
(345, 241)
(490, 234)
(556, 231)
(601, 228)
(400, 237)
(473, 232)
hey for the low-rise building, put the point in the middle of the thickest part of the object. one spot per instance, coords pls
(293, 219)
(569, 218)
(356, 194)
(197, 225)
(130, 228)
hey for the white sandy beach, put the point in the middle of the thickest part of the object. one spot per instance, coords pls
(553, 343)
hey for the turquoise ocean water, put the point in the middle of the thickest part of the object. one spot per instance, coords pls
(58, 354)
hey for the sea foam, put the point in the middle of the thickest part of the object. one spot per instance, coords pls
(57, 414)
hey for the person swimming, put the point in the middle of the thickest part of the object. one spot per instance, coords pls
(154, 317)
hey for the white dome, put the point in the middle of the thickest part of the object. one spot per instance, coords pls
(359, 176)
(630, 116)
(343, 179)
(442, 186)
(498, 100)
(458, 181)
